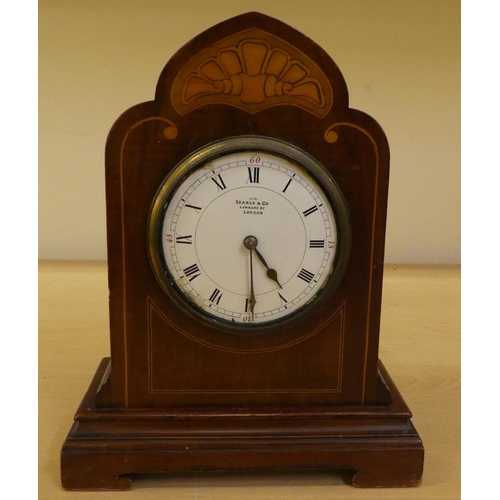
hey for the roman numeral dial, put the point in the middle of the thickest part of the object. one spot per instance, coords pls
(216, 296)
(192, 272)
(248, 237)
(219, 182)
(305, 275)
(316, 243)
(253, 175)
(185, 240)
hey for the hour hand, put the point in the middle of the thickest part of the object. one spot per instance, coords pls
(271, 273)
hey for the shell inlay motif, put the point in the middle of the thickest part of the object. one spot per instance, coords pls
(253, 74)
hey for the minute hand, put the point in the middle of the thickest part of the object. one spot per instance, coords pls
(271, 273)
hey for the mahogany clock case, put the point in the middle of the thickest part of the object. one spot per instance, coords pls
(153, 342)
(179, 394)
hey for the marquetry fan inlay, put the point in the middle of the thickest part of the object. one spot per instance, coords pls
(253, 73)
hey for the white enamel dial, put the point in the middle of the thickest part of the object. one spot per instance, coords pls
(247, 237)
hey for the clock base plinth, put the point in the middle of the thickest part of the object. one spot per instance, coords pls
(105, 447)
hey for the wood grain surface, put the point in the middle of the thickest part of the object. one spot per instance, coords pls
(420, 346)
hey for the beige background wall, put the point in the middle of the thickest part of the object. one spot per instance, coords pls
(400, 58)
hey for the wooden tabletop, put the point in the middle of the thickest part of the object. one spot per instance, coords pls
(420, 347)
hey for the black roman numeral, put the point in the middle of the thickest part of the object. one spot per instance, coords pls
(197, 209)
(192, 272)
(311, 210)
(186, 240)
(283, 300)
(215, 297)
(316, 243)
(288, 183)
(253, 175)
(219, 182)
(305, 275)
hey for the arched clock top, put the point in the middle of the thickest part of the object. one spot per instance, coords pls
(263, 64)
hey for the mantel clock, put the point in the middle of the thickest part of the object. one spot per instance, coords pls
(246, 213)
